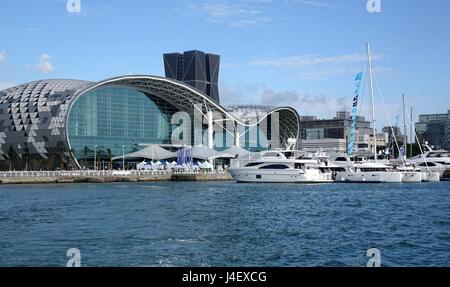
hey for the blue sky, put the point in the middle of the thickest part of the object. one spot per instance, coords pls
(303, 53)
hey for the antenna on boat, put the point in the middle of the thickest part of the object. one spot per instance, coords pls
(291, 144)
(373, 104)
(405, 139)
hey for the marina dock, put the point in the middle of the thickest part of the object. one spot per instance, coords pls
(49, 177)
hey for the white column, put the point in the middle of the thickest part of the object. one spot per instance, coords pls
(209, 116)
(236, 134)
(210, 129)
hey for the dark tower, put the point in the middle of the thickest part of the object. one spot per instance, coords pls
(196, 69)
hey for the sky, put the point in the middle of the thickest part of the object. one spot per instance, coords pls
(301, 53)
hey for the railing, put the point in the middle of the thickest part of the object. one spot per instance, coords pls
(101, 173)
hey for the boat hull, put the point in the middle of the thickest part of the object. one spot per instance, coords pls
(411, 176)
(375, 177)
(430, 176)
(280, 176)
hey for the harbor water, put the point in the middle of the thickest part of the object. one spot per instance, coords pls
(225, 224)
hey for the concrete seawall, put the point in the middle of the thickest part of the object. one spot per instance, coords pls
(202, 177)
(107, 179)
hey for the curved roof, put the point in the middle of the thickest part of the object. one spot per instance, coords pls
(184, 97)
(177, 93)
(34, 115)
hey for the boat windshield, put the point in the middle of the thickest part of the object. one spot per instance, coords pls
(438, 154)
(373, 169)
(271, 154)
(253, 164)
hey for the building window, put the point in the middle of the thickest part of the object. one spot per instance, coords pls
(111, 117)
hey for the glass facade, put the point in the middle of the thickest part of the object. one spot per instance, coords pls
(111, 117)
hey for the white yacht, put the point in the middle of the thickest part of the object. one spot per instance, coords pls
(283, 166)
(412, 174)
(433, 161)
(369, 172)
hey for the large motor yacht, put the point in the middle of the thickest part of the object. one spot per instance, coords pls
(369, 172)
(437, 161)
(283, 166)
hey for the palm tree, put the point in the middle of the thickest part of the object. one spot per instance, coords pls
(85, 153)
(110, 157)
(26, 156)
(13, 156)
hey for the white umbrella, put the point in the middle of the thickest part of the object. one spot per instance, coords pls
(141, 165)
(205, 165)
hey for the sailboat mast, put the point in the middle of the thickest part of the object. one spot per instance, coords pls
(373, 104)
(405, 139)
(411, 138)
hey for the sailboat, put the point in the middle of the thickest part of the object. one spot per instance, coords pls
(409, 172)
(370, 171)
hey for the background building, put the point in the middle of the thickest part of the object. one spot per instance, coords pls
(196, 69)
(325, 145)
(394, 132)
(434, 128)
(334, 134)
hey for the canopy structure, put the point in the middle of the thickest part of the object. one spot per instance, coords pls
(224, 155)
(236, 151)
(152, 152)
(203, 152)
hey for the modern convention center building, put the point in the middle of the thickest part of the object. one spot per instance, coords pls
(73, 124)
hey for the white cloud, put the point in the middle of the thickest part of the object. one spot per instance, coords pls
(240, 93)
(305, 103)
(45, 66)
(317, 104)
(314, 67)
(244, 13)
(309, 60)
(323, 74)
(31, 29)
(2, 56)
(314, 3)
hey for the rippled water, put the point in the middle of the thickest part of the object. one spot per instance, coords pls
(225, 224)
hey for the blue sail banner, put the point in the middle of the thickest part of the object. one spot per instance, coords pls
(354, 109)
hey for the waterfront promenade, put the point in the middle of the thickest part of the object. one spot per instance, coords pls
(104, 176)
